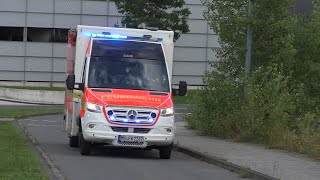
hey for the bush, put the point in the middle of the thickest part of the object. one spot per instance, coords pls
(216, 107)
(282, 108)
(271, 116)
(270, 106)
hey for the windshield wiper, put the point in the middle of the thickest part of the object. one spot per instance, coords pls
(152, 90)
(138, 89)
(159, 93)
(102, 90)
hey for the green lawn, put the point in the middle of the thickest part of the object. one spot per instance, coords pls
(184, 99)
(24, 112)
(17, 160)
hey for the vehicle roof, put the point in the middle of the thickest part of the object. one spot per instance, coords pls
(167, 36)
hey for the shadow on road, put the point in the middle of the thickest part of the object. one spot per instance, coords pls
(109, 152)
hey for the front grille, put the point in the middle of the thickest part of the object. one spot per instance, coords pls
(121, 115)
(130, 130)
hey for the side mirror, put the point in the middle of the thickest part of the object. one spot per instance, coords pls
(183, 88)
(70, 81)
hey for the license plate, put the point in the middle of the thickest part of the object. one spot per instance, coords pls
(136, 139)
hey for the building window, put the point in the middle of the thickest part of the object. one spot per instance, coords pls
(47, 35)
(39, 35)
(60, 35)
(11, 33)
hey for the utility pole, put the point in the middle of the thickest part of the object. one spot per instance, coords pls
(248, 49)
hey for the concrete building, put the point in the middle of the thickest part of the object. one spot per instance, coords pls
(33, 36)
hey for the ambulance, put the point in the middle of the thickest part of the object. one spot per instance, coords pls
(119, 89)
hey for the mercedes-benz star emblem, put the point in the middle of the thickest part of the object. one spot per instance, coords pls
(132, 114)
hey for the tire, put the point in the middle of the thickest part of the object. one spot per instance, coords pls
(74, 141)
(165, 152)
(85, 146)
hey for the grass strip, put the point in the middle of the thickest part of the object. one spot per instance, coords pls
(184, 99)
(32, 111)
(17, 160)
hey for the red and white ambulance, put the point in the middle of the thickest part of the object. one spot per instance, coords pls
(118, 89)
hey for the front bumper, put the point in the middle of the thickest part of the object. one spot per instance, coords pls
(97, 129)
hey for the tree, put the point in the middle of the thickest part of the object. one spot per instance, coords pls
(283, 85)
(162, 14)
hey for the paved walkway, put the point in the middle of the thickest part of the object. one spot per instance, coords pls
(274, 163)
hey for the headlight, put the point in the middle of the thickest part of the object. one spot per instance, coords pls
(93, 107)
(167, 111)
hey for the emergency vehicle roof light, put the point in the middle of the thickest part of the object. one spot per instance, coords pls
(105, 35)
(117, 36)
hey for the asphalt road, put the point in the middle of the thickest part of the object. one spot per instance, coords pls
(116, 164)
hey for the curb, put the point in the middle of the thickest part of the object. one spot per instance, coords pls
(27, 116)
(54, 169)
(242, 171)
(25, 102)
(7, 119)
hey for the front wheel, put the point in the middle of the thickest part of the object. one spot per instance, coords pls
(165, 152)
(85, 146)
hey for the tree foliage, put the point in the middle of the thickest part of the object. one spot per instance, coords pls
(283, 105)
(162, 14)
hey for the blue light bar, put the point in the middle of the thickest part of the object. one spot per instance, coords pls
(113, 36)
(105, 35)
(117, 36)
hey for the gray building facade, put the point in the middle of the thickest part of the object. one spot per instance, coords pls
(33, 46)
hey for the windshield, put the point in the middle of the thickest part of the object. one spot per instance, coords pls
(128, 73)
